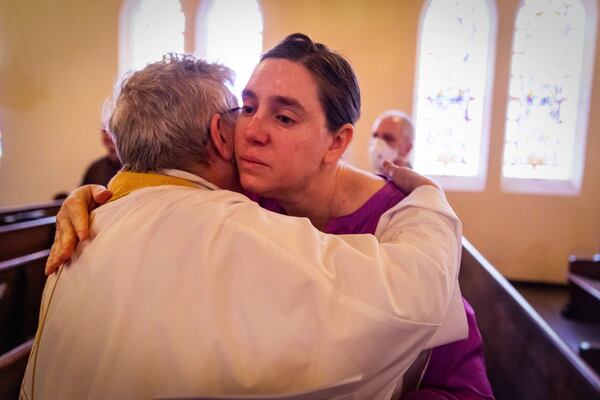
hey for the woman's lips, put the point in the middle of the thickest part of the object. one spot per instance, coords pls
(250, 161)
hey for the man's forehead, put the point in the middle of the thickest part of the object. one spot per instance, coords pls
(390, 124)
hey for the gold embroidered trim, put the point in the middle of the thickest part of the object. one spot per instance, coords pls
(126, 182)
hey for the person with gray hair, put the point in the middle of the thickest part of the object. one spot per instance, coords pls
(170, 120)
(393, 139)
(188, 288)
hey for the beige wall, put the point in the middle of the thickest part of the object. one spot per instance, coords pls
(57, 62)
(58, 59)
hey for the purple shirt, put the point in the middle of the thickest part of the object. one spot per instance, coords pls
(455, 370)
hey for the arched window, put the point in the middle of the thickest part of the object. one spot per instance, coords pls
(548, 99)
(452, 97)
(148, 30)
(230, 32)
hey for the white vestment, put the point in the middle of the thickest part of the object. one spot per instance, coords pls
(198, 291)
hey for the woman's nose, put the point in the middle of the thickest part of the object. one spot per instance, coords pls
(256, 131)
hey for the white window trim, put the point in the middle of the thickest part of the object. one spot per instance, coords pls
(478, 182)
(572, 186)
(540, 186)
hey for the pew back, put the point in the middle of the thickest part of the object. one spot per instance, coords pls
(525, 358)
(11, 215)
(12, 370)
(22, 282)
(22, 238)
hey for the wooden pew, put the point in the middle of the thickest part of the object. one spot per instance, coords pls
(22, 282)
(11, 215)
(587, 267)
(22, 238)
(525, 358)
(12, 369)
(584, 287)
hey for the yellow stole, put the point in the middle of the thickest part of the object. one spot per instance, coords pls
(125, 182)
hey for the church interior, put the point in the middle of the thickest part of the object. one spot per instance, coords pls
(531, 224)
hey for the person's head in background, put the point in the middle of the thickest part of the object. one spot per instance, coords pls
(393, 138)
(165, 117)
(298, 116)
(108, 142)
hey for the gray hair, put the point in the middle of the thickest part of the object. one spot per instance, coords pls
(160, 116)
(408, 130)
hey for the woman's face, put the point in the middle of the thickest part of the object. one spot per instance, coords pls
(281, 135)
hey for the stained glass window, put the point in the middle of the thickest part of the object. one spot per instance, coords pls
(544, 90)
(230, 32)
(454, 68)
(155, 27)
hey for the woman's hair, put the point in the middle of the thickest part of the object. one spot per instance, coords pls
(160, 116)
(338, 88)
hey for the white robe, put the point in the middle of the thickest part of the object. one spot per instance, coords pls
(185, 292)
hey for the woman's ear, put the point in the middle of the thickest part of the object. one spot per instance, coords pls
(340, 142)
(221, 134)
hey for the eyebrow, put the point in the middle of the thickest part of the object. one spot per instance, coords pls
(289, 102)
(277, 100)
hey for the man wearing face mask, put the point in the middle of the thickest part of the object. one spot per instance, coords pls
(393, 137)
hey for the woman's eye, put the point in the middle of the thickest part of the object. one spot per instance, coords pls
(285, 119)
(247, 110)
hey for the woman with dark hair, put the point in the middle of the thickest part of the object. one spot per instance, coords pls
(297, 119)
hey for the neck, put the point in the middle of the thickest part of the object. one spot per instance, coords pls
(220, 173)
(346, 190)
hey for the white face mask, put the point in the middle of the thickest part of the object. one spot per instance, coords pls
(379, 151)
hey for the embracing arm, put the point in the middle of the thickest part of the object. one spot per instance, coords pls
(346, 292)
(72, 223)
(418, 249)
(408, 273)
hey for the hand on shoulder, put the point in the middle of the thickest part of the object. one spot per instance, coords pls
(407, 179)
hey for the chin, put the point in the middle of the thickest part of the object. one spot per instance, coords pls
(251, 184)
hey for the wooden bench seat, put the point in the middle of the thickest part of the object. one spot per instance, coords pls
(584, 286)
(525, 358)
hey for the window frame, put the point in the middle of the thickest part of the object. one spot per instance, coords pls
(201, 34)
(125, 59)
(571, 186)
(478, 182)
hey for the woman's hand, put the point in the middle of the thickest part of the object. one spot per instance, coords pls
(73, 223)
(405, 178)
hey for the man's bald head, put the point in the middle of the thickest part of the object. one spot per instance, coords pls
(393, 138)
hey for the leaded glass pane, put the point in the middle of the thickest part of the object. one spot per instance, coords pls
(234, 37)
(544, 89)
(452, 79)
(158, 27)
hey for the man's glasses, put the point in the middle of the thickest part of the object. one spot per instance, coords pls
(233, 110)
